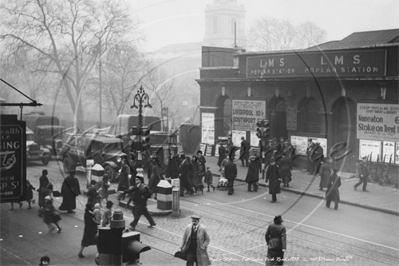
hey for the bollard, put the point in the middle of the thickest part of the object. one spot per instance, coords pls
(175, 197)
(89, 164)
(97, 171)
(164, 195)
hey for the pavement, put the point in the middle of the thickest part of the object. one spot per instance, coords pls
(379, 198)
(225, 223)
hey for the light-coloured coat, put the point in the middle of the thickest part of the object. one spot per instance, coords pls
(202, 244)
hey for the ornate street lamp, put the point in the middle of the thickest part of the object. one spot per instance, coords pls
(141, 98)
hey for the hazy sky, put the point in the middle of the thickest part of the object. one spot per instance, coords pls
(178, 21)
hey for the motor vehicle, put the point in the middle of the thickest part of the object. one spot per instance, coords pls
(34, 151)
(106, 151)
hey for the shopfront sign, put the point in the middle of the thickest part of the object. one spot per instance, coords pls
(318, 64)
(13, 162)
(246, 112)
(377, 121)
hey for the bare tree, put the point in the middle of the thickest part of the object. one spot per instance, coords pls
(64, 33)
(309, 35)
(273, 34)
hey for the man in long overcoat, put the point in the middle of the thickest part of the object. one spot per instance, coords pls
(332, 193)
(185, 176)
(222, 155)
(317, 157)
(363, 174)
(244, 152)
(195, 243)
(70, 189)
(254, 169)
(309, 151)
(230, 172)
(274, 178)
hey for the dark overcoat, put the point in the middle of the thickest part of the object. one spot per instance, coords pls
(285, 168)
(90, 230)
(325, 173)
(254, 168)
(230, 170)
(70, 189)
(273, 177)
(275, 233)
(334, 183)
(222, 155)
(244, 151)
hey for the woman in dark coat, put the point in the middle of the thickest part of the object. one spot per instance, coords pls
(276, 240)
(254, 169)
(332, 193)
(222, 155)
(325, 173)
(49, 214)
(70, 189)
(155, 176)
(285, 168)
(43, 183)
(123, 177)
(90, 230)
(273, 175)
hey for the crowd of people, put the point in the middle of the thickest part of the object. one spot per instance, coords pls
(272, 163)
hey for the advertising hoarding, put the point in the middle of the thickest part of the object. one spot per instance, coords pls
(370, 148)
(246, 112)
(208, 128)
(377, 121)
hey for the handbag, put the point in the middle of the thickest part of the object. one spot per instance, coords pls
(274, 243)
(181, 255)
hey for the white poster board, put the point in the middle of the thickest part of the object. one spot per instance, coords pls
(397, 153)
(254, 139)
(370, 147)
(246, 112)
(377, 121)
(217, 150)
(388, 151)
(236, 138)
(208, 128)
(300, 144)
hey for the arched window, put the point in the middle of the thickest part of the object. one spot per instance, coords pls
(309, 118)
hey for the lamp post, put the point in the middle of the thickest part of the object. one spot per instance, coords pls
(141, 98)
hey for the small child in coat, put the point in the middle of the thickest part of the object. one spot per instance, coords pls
(209, 178)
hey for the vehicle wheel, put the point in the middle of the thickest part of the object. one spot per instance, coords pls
(68, 166)
(46, 159)
(111, 173)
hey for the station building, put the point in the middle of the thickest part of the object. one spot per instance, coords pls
(337, 92)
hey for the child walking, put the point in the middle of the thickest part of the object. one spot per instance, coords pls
(209, 178)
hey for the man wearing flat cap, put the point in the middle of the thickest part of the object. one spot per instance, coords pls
(195, 243)
(363, 174)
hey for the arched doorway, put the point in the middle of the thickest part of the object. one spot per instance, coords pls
(344, 130)
(277, 117)
(223, 119)
(309, 119)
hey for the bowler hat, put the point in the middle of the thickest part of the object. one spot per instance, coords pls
(196, 217)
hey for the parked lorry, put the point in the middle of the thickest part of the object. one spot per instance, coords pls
(106, 151)
(35, 151)
(46, 129)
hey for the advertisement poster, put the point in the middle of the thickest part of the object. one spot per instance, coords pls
(12, 162)
(208, 128)
(217, 150)
(254, 140)
(397, 153)
(300, 143)
(245, 113)
(236, 138)
(388, 151)
(370, 148)
(203, 148)
(377, 121)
